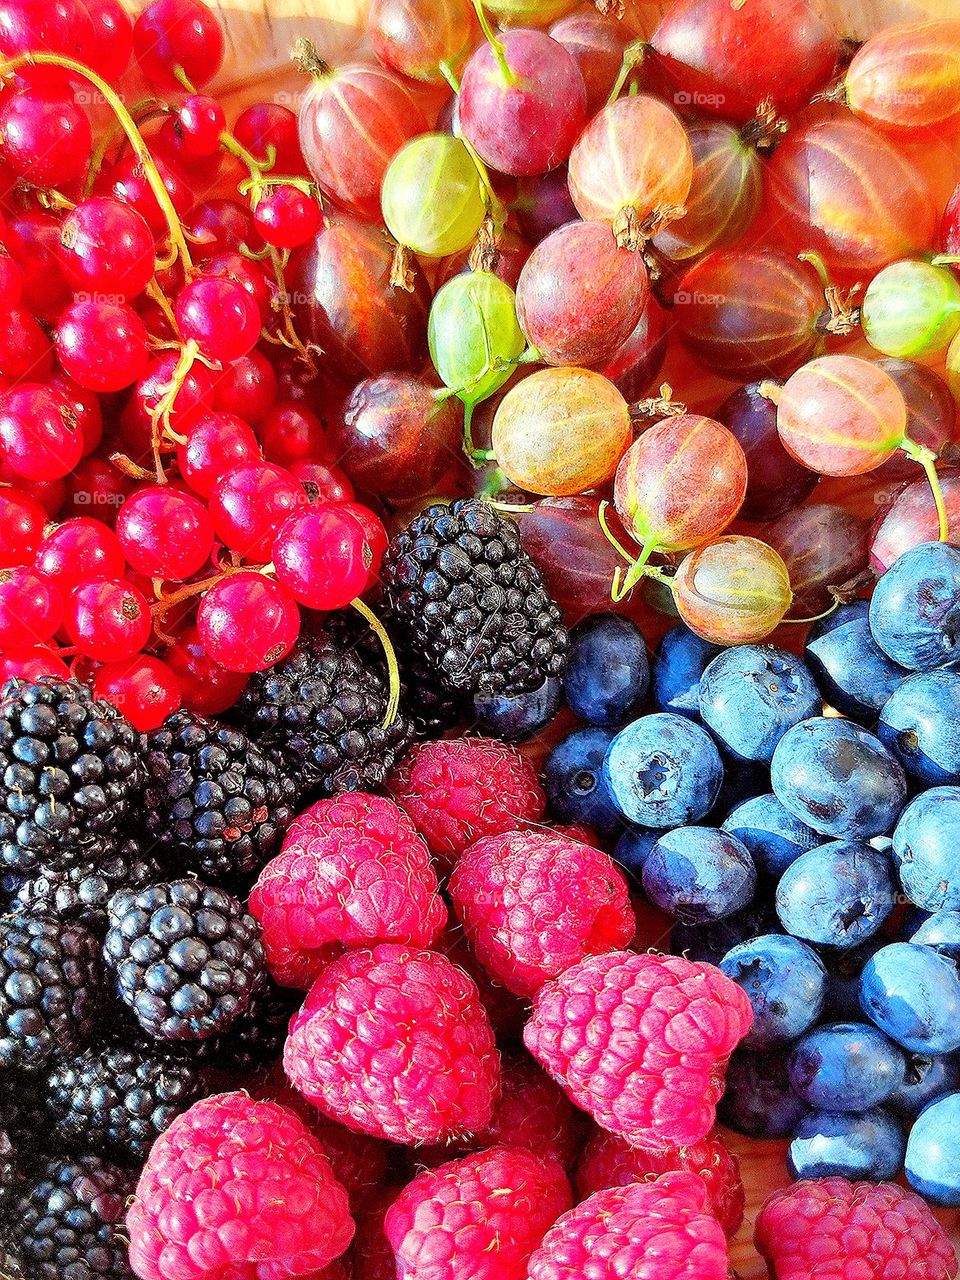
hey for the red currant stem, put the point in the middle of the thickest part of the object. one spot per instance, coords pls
(633, 56)
(496, 45)
(495, 482)
(128, 124)
(145, 109)
(449, 75)
(154, 292)
(289, 336)
(393, 670)
(160, 417)
(181, 75)
(928, 460)
(51, 199)
(253, 255)
(771, 391)
(129, 467)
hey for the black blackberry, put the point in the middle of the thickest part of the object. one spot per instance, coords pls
(116, 1100)
(68, 1224)
(471, 601)
(186, 958)
(256, 1038)
(213, 798)
(323, 709)
(8, 1173)
(50, 982)
(431, 709)
(23, 1115)
(83, 892)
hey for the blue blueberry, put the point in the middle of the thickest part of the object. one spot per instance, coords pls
(633, 849)
(520, 716)
(741, 780)
(933, 1152)
(926, 849)
(942, 932)
(574, 782)
(912, 993)
(920, 723)
(838, 778)
(842, 1002)
(696, 874)
(711, 942)
(846, 1066)
(663, 771)
(784, 980)
(773, 835)
(843, 1144)
(678, 664)
(758, 1100)
(915, 609)
(752, 694)
(608, 671)
(924, 1080)
(854, 674)
(837, 895)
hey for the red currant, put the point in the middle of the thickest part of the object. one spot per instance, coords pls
(165, 533)
(128, 182)
(234, 266)
(323, 556)
(291, 432)
(178, 35)
(206, 686)
(33, 241)
(39, 436)
(59, 26)
(286, 216)
(30, 609)
(374, 530)
(201, 121)
(106, 247)
(113, 37)
(194, 398)
(11, 281)
(107, 620)
(249, 503)
(247, 387)
(96, 489)
(143, 687)
(25, 351)
(218, 443)
(79, 550)
(248, 622)
(102, 345)
(33, 664)
(219, 316)
(322, 481)
(48, 493)
(46, 136)
(21, 527)
(220, 226)
(268, 124)
(85, 406)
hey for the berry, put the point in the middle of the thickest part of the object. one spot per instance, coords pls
(608, 1161)
(920, 725)
(107, 247)
(932, 1152)
(517, 717)
(107, 621)
(698, 874)
(25, 350)
(854, 674)
(250, 502)
(165, 533)
(8, 1173)
(145, 689)
(78, 551)
(532, 1112)
(432, 1074)
(661, 1228)
(206, 687)
(924, 1081)
(846, 1066)
(470, 599)
(680, 661)
(286, 216)
(83, 892)
(925, 849)
(913, 994)
(663, 771)
(773, 836)
(247, 388)
(828, 1227)
(785, 982)
(759, 1100)
(31, 609)
(352, 872)
(102, 345)
(752, 694)
(628, 1036)
(200, 122)
(574, 782)
(832, 1144)
(483, 1215)
(213, 800)
(534, 903)
(250, 1190)
(247, 622)
(323, 556)
(185, 958)
(39, 435)
(21, 528)
(915, 608)
(46, 134)
(218, 315)
(216, 444)
(458, 790)
(608, 672)
(172, 36)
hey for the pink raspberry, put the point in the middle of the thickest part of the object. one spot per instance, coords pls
(533, 903)
(460, 789)
(351, 872)
(838, 1230)
(481, 1216)
(395, 1042)
(609, 1161)
(641, 1042)
(660, 1230)
(236, 1188)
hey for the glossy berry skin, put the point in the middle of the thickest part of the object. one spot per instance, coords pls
(102, 345)
(219, 316)
(30, 609)
(776, 482)
(270, 124)
(861, 788)
(178, 33)
(21, 527)
(248, 622)
(904, 80)
(925, 1079)
(663, 771)
(915, 608)
(62, 27)
(323, 556)
(771, 833)
(77, 551)
(218, 443)
(414, 37)
(200, 121)
(752, 694)
(924, 848)
(113, 36)
(46, 135)
(143, 687)
(911, 518)
(759, 1101)
(785, 982)
(824, 547)
(920, 724)
(913, 994)
(932, 1155)
(107, 247)
(698, 874)
(25, 350)
(108, 620)
(574, 781)
(292, 432)
(247, 387)
(206, 687)
(840, 1144)
(286, 217)
(940, 931)
(517, 717)
(678, 665)
(165, 533)
(846, 1066)
(249, 503)
(608, 672)
(853, 673)
(39, 435)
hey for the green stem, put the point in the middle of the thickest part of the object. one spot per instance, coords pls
(449, 75)
(499, 52)
(633, 56)
(818, 264)
(817, 617)
(393, 669)
(623, 584)
(928, 460)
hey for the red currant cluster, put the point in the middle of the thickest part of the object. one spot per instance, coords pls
(155, 396)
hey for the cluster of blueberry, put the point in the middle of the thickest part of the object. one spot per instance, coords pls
(799, 822)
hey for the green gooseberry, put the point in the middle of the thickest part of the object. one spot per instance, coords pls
(432, 196)
(473, 333)
(912, 309)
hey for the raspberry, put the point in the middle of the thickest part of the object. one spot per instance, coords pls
(461, 789)
(481, 1216)
(533, 903)
(640, 1042)
(352, 871)
(608, 1161)
(840, 1230)
(657, 1230)
(395, 1042)
(236, 1186)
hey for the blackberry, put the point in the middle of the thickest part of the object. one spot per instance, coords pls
(71, 768)
(256, 1038)
(186, 958)
(67, 1225)
(8, 1172)
(323, 709)
(116, 1100)
(50, 982)
(83, 892)
(23, 1115)
(470, 600)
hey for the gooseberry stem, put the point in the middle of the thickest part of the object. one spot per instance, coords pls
(771, 391)
(496, 45)
(638, 565)
(393, 669)
(928, 460)
(633, 56)
(307, 59)
(817, 617)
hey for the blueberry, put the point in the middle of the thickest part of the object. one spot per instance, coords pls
(920, 723)
(846, 1066)
(854, 674)
(752, 694)
(633, 849)
(773, 835)
(915, 609)
(926, 849)
(518, 717)
(574, 783)
(784, 980)
(741, 780)
(933, 1152)
(608, 671)
(913, 994)
(837, 895)
(678, 664)
(663, 771)
(843, 1144)
(942, 932)
(711, 942)
(698, 874)
(758, 1100)
(924, 1080)
(838, 778)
